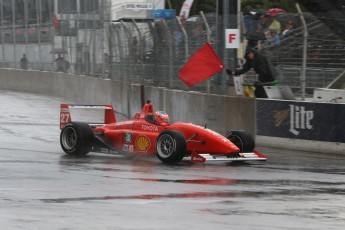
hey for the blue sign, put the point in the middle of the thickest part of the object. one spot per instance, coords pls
(161, 13)
(301, 120)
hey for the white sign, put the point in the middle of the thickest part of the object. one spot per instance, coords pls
(238, 82)
(139, 6)
(184, 13)
(232, 38)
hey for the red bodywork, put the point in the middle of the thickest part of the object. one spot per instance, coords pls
(139, 135)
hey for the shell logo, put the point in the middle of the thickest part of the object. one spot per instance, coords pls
(142, 143)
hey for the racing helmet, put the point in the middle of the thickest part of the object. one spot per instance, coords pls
(161, 116)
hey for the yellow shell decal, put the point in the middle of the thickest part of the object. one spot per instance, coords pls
(142, 143)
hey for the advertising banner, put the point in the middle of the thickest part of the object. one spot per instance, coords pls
(184, 13)
(137, 9)
(301, 120)
(161, 13)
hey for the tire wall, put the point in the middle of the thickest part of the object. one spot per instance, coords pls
(220, 113)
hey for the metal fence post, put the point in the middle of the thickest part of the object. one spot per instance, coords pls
(186, 38)
(208, 35)
(305, 43)
(14, 33)
(226, 24)
(170, 59)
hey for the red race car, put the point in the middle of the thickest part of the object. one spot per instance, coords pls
(150, 132)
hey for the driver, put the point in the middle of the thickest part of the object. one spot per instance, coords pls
(161, 117)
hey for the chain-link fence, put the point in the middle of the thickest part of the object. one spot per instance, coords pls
(151, 52)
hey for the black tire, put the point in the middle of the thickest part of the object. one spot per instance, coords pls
(242, 139)
(171, 146)
(76, 138)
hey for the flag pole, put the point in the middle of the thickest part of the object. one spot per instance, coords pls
(208, 34)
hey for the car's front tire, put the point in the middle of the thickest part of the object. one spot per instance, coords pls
(76, 138)
(171, 146)
(242, 139)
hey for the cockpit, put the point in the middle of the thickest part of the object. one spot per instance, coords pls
(158, 118)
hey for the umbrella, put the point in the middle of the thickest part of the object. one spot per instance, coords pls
(58, 51)
(193, 19)
(276, 11)
(257, 14)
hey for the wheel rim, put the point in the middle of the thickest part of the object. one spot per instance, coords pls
(69, 138)
(166, 146)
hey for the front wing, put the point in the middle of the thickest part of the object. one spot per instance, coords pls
(250, 156)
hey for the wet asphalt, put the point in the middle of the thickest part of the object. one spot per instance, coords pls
(42, 188)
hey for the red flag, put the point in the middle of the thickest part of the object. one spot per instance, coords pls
(202, 65)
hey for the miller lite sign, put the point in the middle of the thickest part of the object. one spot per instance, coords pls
(232, 38)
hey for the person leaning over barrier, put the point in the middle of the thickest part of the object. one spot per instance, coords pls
(261, 66)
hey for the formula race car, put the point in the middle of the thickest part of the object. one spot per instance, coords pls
(150, 132)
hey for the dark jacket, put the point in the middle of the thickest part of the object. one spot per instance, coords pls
(261, 66)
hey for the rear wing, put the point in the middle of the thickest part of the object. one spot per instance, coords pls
(65, 114)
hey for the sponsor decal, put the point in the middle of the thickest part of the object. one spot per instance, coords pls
(300, 118)
(128, 137)
(64, 118)
(124, 123)
(149, 128)
(280, 116)
(142, 143)
(127, 148)
(197, 158)
(139, 6)
(130, 148)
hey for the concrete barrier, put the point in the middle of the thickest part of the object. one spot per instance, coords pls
(304, 145)
(220, 113)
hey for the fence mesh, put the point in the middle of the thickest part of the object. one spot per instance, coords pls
(151, 52)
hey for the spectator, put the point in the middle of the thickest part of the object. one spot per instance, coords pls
(266, 73)
(24, 62)
(272, 37)
(274, 25)
(59, 63)
(183, 18)
(260, 23)
(178, 39)
(273, 30)
(66, 65)
(288, 27)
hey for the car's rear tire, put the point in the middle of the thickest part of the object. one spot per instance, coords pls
(242, 139)
(76, 138)
(171, 146)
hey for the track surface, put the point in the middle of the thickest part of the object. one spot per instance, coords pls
(42, 188)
